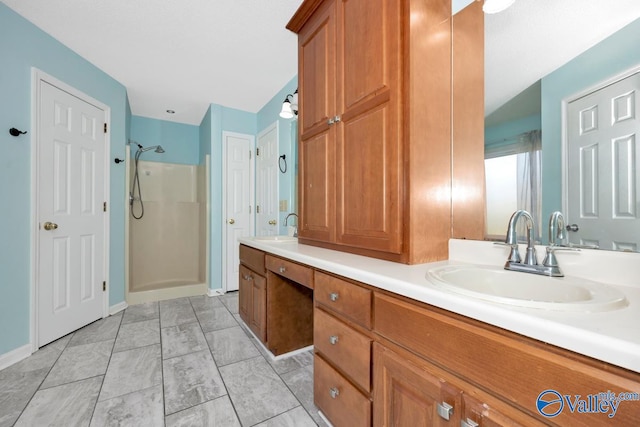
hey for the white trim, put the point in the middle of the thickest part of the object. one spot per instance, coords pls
(127, 219)
(563, 125)
(117, 308)
(207, 222)
(14, 356)
(215, 292)
(37, 76)
(252, 191)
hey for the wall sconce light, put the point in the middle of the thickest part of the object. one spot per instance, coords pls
(290, 106)
(495, 6)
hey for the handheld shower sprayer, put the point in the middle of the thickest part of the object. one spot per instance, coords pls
(135, 185)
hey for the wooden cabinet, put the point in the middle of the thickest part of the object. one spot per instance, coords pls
(252, 290)
(375, 126)
(342, 341)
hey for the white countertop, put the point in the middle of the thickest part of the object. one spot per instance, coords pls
(611, 336)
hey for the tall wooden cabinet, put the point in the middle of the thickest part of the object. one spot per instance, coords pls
(375, 126)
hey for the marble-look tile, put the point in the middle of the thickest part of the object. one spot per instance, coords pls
(176, 302)
(190, 380)
(296, 417)
(230, 345)
(16, 389)
(300, 382)
(132, 370)
(140, 312)
(205, 303)
(66, 405)
(182, 339)
(292, 363)
(230, 300)
(100, 330)
(216, 318)
(176, 314)
(80, 362)
(214, 413)
(140, 408)
(256, 391)
(138, 334)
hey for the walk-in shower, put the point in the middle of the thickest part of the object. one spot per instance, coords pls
(135, 186)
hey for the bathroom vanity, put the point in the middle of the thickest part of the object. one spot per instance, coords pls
(393, 349)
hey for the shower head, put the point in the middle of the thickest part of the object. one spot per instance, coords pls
(158, 148)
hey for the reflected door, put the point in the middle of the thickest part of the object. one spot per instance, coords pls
(71, 217)
(602, 160)
(267, 194)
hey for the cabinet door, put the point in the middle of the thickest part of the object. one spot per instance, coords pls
(316, 58)
(258, 322)
(369, 137)
(245, 288)
(406, 395)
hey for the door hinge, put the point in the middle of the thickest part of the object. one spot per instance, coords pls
(104, 206)
(249, 154)
(104, 286)
(257, 151)
(257, 208)
(249, 208)
(105, 128)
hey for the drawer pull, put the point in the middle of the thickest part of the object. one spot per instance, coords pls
(247, 277)
(282, 269)
(445, 410)
(333, 296)
(334, 392)
(333, 339)
(468, 423)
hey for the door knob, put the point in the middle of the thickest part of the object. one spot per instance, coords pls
(573, 227)
(50, 226)
(272, 222)
(232, 221)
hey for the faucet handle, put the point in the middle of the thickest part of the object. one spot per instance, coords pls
(550, 259)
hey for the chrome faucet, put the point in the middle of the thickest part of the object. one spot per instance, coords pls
(549, 266)
(295, 230)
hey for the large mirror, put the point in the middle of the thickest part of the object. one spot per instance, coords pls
(544, 60)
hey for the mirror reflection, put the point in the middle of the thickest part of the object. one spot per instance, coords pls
(561, 85)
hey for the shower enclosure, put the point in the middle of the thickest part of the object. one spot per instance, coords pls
(167, 228)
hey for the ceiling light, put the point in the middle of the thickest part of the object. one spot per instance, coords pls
(290, 106)
(495, 6)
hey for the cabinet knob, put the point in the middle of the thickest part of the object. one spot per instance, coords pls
(336, 119)
(468, 423)
(445, 410)
(282, 269)
(330, 121)
(333, 296)
(272, 222)
(333, 339)
(334, 392)
(247, 277)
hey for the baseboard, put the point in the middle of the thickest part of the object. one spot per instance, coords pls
(14, 356)
(215, 292)
(182, 291)
(117, 308)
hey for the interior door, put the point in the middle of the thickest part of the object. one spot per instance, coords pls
(70, 213)
(603, 158)
(239, 196)
(267, 182)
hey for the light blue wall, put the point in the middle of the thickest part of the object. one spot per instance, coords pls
(287, 145)
(504, 133)
(458, 5)
(180, 141)
(612, 56)
(22, 46)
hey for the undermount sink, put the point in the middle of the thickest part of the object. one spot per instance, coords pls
(527, 290)
(282, 239)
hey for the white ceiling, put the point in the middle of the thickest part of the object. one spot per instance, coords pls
(535, 37)
(178, 55)
(175, 54)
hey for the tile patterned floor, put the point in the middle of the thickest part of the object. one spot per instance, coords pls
(182, 362)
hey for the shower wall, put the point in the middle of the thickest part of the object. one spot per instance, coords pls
(167, 245)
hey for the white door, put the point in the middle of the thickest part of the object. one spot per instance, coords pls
(603, 158)
(238, 201)
(267, 181)
(70, 213)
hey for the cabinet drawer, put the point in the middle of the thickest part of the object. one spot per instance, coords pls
(346, 348)
(252, 258)
(297, 272)
(348, 299)
(337, 398)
